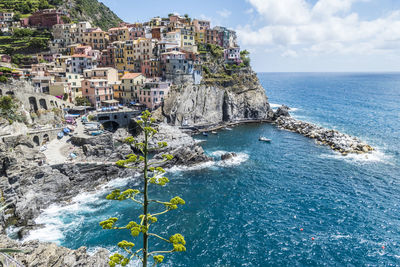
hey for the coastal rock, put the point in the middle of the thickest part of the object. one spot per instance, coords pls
(337, 141)
(282, 111)
(31, 189)
(210, 104)
(39, 254)
(182, 146)
(228, 155)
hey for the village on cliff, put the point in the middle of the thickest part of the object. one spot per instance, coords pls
(133, 64)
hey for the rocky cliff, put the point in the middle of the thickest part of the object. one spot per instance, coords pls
(225, 95)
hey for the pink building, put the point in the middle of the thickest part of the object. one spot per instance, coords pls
(153, 93)
(151, 68)
(83, 50)
(97, 91)
(46, 18)
(232, 55)
(107, 58)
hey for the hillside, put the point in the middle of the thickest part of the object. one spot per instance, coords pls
(94, 11)
(80, 10)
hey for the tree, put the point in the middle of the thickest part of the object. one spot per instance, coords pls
(6, 104)
(17, 16)
(82, 101)
(43, 4)
(244, 55)
(65, 97)
(151, 175)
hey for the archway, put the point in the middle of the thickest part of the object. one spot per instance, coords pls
(33, 103)
(36, 140)
(43, 104)
(46, 138)
(9, 93)
(1, 92)
(111, 126)
(52, 103)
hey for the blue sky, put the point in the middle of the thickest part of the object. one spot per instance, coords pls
(295, 35)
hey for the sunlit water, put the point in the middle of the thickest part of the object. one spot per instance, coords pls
(250, 211)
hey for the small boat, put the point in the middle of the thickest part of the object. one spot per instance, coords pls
(60, 135)
(205, 134)
(96, 133)
(262, 138)
(66, 131)
(214, 132)
(228, 129)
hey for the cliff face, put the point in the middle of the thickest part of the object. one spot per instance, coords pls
(216, 100)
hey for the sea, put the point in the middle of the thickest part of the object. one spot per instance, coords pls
(290, 202)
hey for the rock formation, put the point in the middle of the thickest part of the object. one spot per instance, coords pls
(215, 101)
(40, 254)
(337, 141)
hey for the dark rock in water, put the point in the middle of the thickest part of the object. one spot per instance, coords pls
(282, 111)
(228, 155)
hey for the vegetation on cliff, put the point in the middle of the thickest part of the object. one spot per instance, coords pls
(216, 73)
(93, 11)
(9, 110)
(25, 41)
(79, 10)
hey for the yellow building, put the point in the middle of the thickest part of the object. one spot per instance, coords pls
(96, 38)
(188, 36)
(131, 84)
(119, 55)
(199, 37)
(119, 34)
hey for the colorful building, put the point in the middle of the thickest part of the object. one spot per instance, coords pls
(232, 55)
(109, 74)
(153, 93)
(131, 84)
(201, 25)
(97, 91)
(6, 16)
(151, 68)
(96, 38)
(46, 18)
(78, 63)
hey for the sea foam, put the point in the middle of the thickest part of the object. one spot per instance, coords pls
(79, 207)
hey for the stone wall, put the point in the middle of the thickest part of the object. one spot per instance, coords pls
(31, 99)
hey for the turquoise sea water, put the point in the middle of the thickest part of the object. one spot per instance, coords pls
(250, 211)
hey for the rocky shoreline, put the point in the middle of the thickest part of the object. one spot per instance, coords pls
(29, 187)
(343, 143)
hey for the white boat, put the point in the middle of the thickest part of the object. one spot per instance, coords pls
(262, 138)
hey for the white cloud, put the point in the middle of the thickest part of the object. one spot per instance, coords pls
(249, 11)
(329, 26)
(290, 53)
(225, 13)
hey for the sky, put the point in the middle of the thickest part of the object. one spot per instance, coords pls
(295, 35)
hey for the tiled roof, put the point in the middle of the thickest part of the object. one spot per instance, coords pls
(130, 75)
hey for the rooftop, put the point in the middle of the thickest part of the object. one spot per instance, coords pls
(130, 75)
